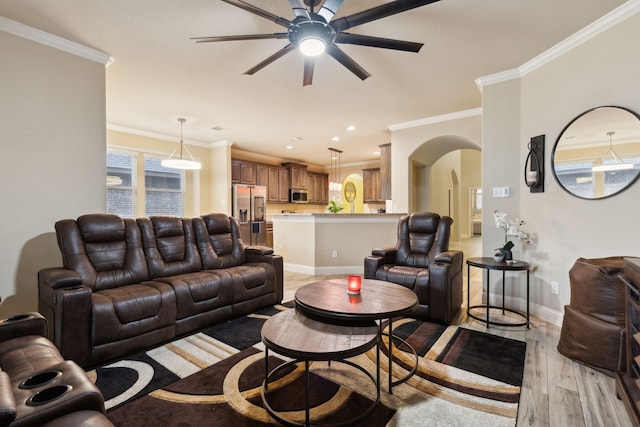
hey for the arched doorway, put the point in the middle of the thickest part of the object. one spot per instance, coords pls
(443, 170)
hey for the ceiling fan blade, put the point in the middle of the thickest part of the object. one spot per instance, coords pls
(299, 8)
(382, 42)
(279, 54)
(260, 12)
(377, 12)
(240, 37)
(345, 60)
(329, 8)
(309, 64)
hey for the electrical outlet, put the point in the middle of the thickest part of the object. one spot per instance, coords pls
(555, 288)
(334, 253)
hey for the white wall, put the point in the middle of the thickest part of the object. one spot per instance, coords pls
(52, 128)
(603, 70)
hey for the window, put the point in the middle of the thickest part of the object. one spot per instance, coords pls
(121, 184)
(164, 189)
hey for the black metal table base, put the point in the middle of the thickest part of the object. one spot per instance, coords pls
(288, 422)
(488, 264)
(493, 322)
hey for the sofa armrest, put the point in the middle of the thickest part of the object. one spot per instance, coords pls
(385, 252)
(64, 301)
(256, 254)
(378, 257)
(20, 325)
(258, 250)
(445, 286)
(450, 257)
(58, 277)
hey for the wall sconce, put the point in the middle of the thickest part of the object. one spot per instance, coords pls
(354, 285)
(534, 165)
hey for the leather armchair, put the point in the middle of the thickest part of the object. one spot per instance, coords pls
(37, 386)
(422, 261)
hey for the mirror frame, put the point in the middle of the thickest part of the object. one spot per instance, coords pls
(560, 135)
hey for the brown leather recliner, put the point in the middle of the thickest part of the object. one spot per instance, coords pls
(422, 261)
(37, 386)
(593, 326)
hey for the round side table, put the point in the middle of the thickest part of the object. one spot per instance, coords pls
(489, 264)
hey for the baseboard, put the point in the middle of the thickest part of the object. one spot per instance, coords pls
(540, 311)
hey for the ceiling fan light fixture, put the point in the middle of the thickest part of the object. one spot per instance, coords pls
(312, 46)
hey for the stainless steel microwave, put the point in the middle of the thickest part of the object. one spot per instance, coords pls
(297, 196)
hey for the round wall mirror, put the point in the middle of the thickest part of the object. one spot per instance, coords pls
(597, 154)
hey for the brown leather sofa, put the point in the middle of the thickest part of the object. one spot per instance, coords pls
(129, 284)
(422, 261)
(593, 325)
(37, 386)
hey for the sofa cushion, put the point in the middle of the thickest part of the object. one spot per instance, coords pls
(218, 240)
(131, 310)
(414, 278)
(106, 250)
(200, 291)
(169, 246)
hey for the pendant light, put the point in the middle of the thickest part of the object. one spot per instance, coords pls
(335, 183)
(618, 164)
(180, 161)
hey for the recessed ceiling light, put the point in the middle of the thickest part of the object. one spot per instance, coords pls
(335, 138)
(377, 153)
(289, 147)
(296, 139)
(351, 128)
(218, 128)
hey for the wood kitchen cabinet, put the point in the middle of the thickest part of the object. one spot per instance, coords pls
(317, 188)
(278, 184)
(371, 185)
(243, 172)
(262, 175)
(297, 175)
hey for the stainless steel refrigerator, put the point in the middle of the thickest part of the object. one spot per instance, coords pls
(248, 203)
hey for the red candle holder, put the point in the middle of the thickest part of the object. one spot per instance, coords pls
(354, 285)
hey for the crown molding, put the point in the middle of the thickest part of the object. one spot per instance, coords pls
(26, 32)
(597, 27)
(162, 137)
(436, 119)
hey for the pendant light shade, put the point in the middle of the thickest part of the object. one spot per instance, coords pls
(616, 163)
(177, 159)
(335, 182)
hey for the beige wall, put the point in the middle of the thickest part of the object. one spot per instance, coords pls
(52, 123)
(602, 71)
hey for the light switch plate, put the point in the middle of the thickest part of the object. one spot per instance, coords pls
(500, 192)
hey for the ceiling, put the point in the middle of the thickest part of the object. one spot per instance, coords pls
(160, 74)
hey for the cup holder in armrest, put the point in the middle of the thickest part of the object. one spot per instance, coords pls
(48, 395)
(18, 317)
(38, 380)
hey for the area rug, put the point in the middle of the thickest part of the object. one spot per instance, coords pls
(464, 377)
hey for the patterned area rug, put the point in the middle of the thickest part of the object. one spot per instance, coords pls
(464, 377)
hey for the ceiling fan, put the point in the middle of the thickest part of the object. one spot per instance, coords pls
(314, 31)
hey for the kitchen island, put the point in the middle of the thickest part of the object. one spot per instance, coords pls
(325, 243)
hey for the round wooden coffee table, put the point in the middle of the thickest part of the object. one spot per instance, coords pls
(327, 301)
(302, 339)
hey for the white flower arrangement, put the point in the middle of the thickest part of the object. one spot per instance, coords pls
(511, 228)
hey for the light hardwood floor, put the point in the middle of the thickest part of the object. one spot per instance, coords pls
(556, 391)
